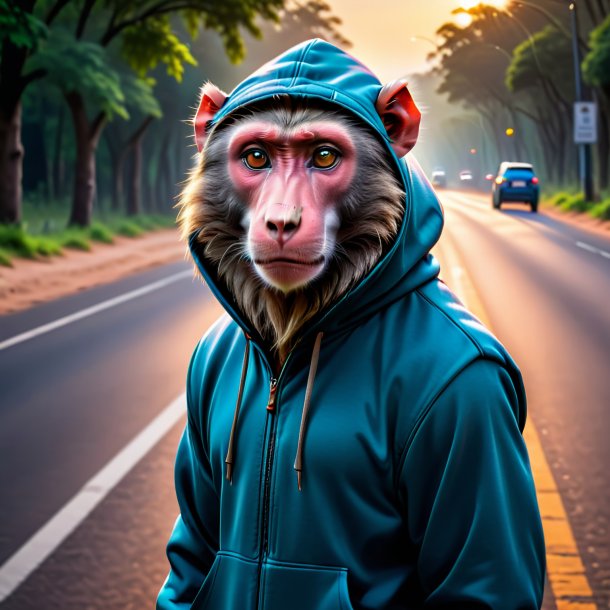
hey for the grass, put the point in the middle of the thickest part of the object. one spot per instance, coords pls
(43, 232)
(575, 202)
(15, 241)
(101, 233)
(5, 258)
(129, 228)
(601, 210)
(75, 239)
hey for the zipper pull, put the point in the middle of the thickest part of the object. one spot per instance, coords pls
(272, 391)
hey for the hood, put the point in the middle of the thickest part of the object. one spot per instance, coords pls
(316, 69)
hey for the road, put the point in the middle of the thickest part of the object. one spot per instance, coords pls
(74, 397)
(545, 286)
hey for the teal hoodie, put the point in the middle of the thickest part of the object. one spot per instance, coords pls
(416, 490)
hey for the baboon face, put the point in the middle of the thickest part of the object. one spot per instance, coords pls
(291, 180)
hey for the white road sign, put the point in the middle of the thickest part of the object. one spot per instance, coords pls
(585, 122)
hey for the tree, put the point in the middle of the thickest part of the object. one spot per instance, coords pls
(20, 33)
(113, 20)
(472, 64)
(83, 73)
(122, 141)
(512, 70)
(596, 71)
(541, 69)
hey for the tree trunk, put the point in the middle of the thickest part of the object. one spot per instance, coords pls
(58, 161)
(87, 137)
(11, 166)
(550, 151)
(603, 141)
(163, 173)
(497, 140)
(118, 170)
(602, 152)
(117, 152)
(134, 200)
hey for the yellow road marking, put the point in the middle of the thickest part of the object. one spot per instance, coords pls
(565, 569)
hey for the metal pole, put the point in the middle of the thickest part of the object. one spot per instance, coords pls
(584, 150)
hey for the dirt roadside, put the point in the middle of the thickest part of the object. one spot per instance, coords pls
(583, 221)
(30, 282)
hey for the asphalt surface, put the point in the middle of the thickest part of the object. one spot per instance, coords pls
(74, 397)
(545, 285)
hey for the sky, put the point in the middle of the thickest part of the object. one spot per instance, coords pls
(381, 31)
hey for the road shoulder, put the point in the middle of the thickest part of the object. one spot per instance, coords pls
(31, 282)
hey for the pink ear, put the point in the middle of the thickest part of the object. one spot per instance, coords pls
(400, 116)
(212, 99)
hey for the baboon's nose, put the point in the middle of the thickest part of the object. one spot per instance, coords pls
(282, 221)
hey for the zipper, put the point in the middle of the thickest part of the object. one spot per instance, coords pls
(271, 411)
(272, 395)
(264, 537)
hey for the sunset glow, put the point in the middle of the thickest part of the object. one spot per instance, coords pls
(463, 19)
(468, 4)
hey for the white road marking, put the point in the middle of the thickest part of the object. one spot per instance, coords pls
(20, 565)
(89, 311)
(593, 249)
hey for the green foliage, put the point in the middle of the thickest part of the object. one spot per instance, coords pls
(101, 233)
(47, 246)
(575, 203)
(546, 55)
(473, 59)
(152, 222)
(596, 65)
(75, 239)
(139, 95)
(601, 210)
(129, 228)
(145, 222)
(560, 198)
(20, 28)
(15, 240)
(81, 67)
(152, 42)
(5, 258)
(191, 20)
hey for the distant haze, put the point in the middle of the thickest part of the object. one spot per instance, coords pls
(381, 31)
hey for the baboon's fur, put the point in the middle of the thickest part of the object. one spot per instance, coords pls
(370, 215)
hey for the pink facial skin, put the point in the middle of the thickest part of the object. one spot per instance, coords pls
(292, 217)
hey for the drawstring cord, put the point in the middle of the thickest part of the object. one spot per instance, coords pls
(242, 382)
(298, 463)
(315, 356)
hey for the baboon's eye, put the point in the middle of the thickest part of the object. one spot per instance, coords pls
(325, 157)
(255, 158)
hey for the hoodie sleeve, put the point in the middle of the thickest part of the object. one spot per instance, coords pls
(193, 543)
(470, 497)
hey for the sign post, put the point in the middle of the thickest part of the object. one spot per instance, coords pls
(585, 118)
(585, 122)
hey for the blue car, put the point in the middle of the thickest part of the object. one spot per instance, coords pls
(515, 182)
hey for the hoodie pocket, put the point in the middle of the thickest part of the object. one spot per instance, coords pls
(304, 587)
(230, 584)
(233, 584)
(207, 586)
